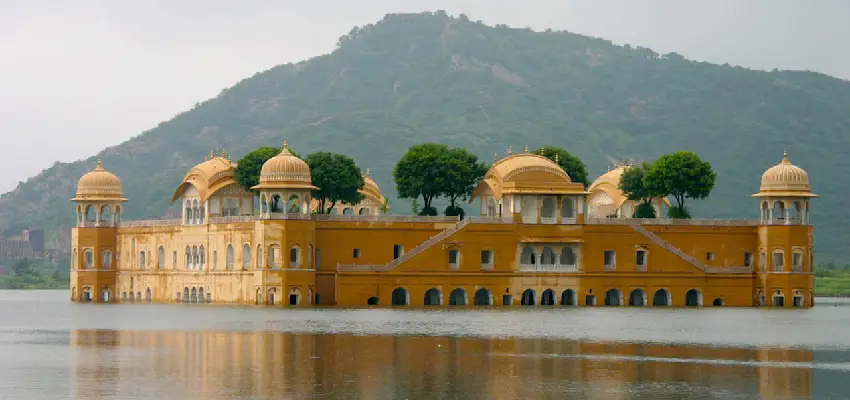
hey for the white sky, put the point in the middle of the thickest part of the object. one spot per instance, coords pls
(78, 76)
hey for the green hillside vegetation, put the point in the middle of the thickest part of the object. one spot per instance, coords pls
(27, 274)
(832, 280)
(412, 78)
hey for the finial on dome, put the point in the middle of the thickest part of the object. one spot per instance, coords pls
(510, 150)
(99, 165)
(526, 148)
(785, 157)
(368, 170)
(495, 156)
(285, 144)
(557, 158)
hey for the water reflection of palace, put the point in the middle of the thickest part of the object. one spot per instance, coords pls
(213, 365)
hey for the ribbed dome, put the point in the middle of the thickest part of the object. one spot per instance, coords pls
(285, 170)
(785, 177)
(99, 184)
(370, 186)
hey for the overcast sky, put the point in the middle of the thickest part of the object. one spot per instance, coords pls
(78, 76)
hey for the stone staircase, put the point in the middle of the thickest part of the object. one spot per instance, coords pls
(433, 240)
(666, 245)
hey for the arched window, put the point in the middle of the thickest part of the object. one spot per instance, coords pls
(88, 259)
(142, 259)
(106, 262)
(74, 261)
(229, 257)
(274, 256)
(202, 213)
(778, 260)
(91, 215)
(259, 257)
(547, 210)
(174, 259)
(294, 204)
(364, 211)
(106, 214)
(310, 257)
(246, 256)
(188, 213)
(215, 259)
(263, 209)
(188, 257)
(294, 257)
(203, 257)
(567, 209)
(797, 261)
(196, 213)
(348, 211)
(275, 205)
(196, 258)
(160, 257)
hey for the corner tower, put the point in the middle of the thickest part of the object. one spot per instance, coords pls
(94, 240)
(285, 233)
(786, 239)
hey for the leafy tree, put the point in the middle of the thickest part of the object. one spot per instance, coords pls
(633, 185)
(419, 173)
(571, 164)
(338, 179)
(248, 168)
(452, 211)
(462, 171)
(385, 208)
(681, 175)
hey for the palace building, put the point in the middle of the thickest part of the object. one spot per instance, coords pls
(540, 239)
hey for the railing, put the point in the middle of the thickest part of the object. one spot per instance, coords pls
(489, 220)
(609, 267)
(640, 268)
(549, 220)
(233, 219)
(93, 224)
(286, 216)
(360, 267)
(548, 268)
(673, 221)
(382, 218)
(151, 222)
(487, 267)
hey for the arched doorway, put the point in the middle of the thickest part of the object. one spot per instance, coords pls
(194, 295)
(185, 295)
(568, 298)
(547, 298)
(87, 296)
(433, 297)
(259, 296)
(661, 298)
(693, 298)
(201, 297)
(718, 302)
(271, 296)
(483, 297)
(294, 296)
(637, 298)
(613, 297)
(148, 295)
(400, 297)
(132, 296)
(73, 293)
(458, 297)
(105, 295)
(528, 297)
(373, 301)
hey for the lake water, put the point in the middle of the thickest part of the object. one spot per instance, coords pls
(50, 348)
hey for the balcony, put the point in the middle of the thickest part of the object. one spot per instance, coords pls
(548, 268)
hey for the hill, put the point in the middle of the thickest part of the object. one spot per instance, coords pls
(412, 78)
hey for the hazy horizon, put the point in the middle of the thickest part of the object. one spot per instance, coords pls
(77, 78)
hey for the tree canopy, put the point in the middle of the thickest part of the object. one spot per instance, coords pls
(571, 164)
(248, 167)
(635, 188)
(431, 170)
(338, 180)
(681, 175)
